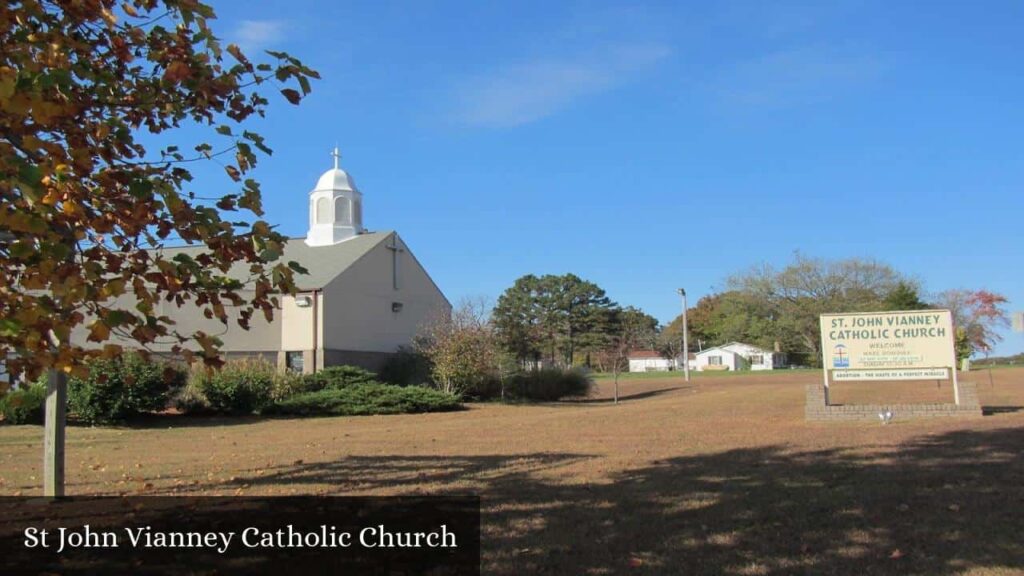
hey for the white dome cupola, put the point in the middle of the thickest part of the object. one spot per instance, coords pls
(335, 208)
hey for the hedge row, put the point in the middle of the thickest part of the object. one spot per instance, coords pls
(119, 389)
(122, 388)
(365, 399)
(249, 386)
(544, 385)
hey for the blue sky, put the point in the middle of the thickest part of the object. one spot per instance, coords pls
(651, 146)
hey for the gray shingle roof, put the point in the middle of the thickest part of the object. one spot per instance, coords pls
(324, 263)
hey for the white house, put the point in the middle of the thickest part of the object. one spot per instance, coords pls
(738, 356)
(653, 361)
(365, 296)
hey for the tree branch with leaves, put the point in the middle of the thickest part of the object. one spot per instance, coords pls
(86, 206)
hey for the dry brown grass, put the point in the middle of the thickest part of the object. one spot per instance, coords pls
(719, 476)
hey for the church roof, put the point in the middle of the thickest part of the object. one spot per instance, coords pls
(324, 263)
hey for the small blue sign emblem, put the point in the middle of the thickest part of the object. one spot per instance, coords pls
(840, 357)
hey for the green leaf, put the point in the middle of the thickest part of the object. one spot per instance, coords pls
(116, 318)
(29, 175)
(22, 250)
(257, 141)
(9, 328)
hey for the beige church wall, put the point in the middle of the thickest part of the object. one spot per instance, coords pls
(357, 305)
(262, 336)
(297, 323)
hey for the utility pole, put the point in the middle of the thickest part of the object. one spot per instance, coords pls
(686, 344)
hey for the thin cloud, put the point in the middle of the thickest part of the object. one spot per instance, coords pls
(795, 77)
(258, 34)
(529, 91)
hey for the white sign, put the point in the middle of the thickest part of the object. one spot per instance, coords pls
(906, 345)
(916, 374)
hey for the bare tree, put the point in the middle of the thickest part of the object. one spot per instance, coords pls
(633, 330)
(461, 347)
(670, 345)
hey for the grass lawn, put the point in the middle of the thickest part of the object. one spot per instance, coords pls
(718, 476)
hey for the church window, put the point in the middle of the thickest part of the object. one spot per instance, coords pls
(323, 211)
(294, 362)
(341, 211)
(357, 211)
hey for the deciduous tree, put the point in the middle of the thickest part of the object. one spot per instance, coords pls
(732, 316)
(799, 293)
(86, 206)
(462, 348)
(633, 330)
(977, 314)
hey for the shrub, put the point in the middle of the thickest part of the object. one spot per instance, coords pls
(337, 377)
(24, 405)
(549, 384)
(366, 399)
(239, 387)
(488, 388)
(119, 388)
(405, 368)
(191, 399)
(286, 384)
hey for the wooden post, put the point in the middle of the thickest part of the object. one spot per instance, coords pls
(825, 370)
(53, 434)
(956, 385)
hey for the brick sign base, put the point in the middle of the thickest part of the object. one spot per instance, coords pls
(818, 410)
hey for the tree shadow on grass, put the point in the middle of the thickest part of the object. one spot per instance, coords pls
(941, 504)
(175, 420)
(937, 506)
(633, 396)
(371, 473)
(993, 410)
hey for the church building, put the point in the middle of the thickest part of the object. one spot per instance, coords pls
(365, 296)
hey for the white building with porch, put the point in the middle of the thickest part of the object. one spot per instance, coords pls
(738, 356)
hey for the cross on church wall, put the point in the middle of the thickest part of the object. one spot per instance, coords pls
(395, 249)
